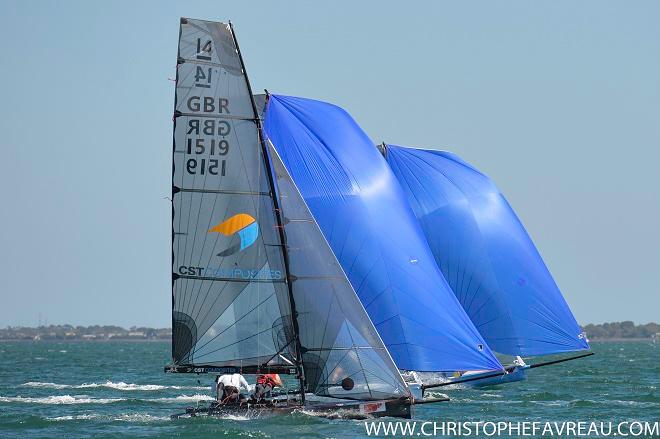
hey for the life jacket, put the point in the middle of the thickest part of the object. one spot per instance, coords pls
(270, 378)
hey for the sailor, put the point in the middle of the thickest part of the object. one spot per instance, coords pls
(266, 383)
(228, 388)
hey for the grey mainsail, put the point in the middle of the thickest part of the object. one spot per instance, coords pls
(255, 284)
(230, 299)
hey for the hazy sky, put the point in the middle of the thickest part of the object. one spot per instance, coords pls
(558, 102)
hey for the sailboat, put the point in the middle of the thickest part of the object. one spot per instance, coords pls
(256, 287)
(488, 258)
(365, 217)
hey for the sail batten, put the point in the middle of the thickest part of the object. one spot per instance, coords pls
(485, 254)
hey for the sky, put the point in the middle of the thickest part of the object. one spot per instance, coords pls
(558, 102)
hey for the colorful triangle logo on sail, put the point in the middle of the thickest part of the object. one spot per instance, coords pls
(243, 224)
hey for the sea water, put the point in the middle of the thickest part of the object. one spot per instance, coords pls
(118, 389)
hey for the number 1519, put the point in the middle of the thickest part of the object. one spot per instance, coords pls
(206, 166)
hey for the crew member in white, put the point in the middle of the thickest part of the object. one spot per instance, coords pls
(228, 388)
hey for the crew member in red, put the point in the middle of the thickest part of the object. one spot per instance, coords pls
(266, 383)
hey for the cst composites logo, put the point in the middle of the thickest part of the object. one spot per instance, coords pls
(243, 224)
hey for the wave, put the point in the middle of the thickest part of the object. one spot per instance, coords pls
(112, 385)
(235, 417)
(124, 417)
(180, 398)
(436, 394)
(478, 400)
(75, 417)
(592, 403)
(60, 399)
(86, 399)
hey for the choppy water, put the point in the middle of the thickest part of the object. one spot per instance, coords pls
(87, 389)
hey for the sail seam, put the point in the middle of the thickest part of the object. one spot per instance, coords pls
(227, 67)
(221, 191)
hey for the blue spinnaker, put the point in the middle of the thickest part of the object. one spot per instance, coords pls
(363, 214)
(486, 255)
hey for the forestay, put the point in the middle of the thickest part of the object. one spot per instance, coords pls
(486, 255)
(363, 214)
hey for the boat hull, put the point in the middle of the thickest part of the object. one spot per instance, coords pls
(397, 408)
(519, 373)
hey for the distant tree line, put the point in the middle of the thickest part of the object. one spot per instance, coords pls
(615, 330)
(620, 330)
(95, 332)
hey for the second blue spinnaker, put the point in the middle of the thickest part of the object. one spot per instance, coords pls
(486, 255)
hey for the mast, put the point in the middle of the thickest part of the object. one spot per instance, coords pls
(280, 226)
(173, 278)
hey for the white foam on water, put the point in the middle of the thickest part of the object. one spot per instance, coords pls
(180, 398)
(190, 387)
(139, 417)
(632, 403)
(74, 417)
(487, 402)
(85, 399)
(553, 403)
(112, 385)
(236, 417)
(128, 386)
(59, 399)
(124, 417)
(314, 413)
(432, 394)
(335, 413)
(45, 385)
(148, 387)
(606, 402)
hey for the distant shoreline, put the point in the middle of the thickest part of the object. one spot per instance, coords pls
(598, 340)
(614, 332)
(165, 340)
(80, 340)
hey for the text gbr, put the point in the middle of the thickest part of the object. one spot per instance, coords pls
(209, 145)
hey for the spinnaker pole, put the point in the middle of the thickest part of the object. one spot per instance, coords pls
(507, 370)
(548, 363)
(280, 225)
